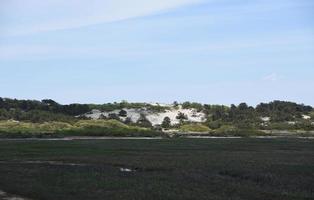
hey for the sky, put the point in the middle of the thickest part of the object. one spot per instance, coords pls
(208, 51)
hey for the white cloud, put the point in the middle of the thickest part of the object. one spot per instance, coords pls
(19, 17)
(271, 77)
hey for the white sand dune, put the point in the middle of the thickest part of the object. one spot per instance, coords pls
(155, 118)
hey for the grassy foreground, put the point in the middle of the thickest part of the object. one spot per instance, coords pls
(165, 169)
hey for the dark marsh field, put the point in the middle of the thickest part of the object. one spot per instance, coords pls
(164, 169)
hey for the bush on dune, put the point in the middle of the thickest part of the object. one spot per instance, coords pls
(194, 128)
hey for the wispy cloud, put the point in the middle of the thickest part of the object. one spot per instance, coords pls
(44, 52)
(272, 77)
(20, 18)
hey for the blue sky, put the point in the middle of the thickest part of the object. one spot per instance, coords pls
(210, 51)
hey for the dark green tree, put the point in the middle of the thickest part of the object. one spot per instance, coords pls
(166, 123)
(113, 116)
(182, 116)
(123, 113)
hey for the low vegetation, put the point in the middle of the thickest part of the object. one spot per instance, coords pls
(79, 128)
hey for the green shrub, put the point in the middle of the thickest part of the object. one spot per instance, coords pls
(215, 124)
(194, 128)
(226, 129)
(312, 115)
(281, 126)
(229, 130)
(304, 125)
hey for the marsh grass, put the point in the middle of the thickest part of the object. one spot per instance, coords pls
(205, 169)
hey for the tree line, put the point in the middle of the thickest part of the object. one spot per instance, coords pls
(242, 114)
